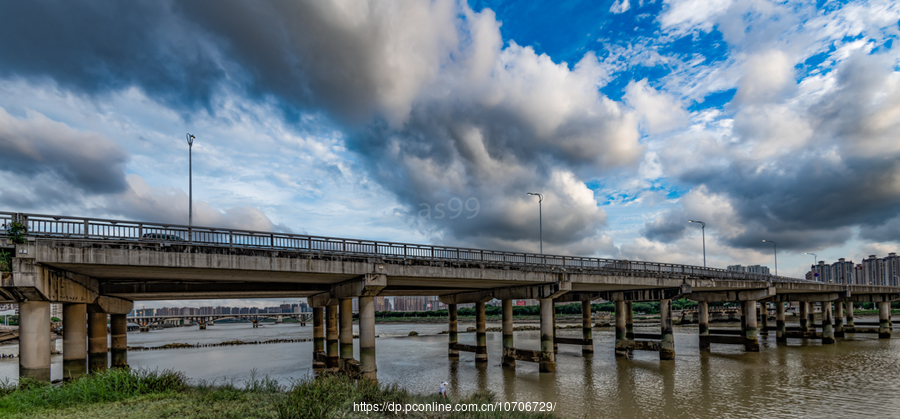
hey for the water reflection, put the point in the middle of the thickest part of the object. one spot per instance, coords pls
(855, 377)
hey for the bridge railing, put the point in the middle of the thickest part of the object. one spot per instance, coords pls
(54, 226)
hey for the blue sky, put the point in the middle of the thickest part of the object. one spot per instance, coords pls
(767, 120)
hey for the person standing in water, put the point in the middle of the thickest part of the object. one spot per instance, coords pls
(443, 390)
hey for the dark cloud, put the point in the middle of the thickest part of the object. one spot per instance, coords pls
(668, 227)
(889, 231)
(83, 160)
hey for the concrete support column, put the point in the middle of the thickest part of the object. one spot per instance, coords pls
(586, 334)
(827, 320)
(508, 347)
(850, 314)
(34, 340)
(629, 322)
(704, 325)
(804, 316)
(548, 357)
(332, 355)
(667, 344)
(621, 338)
(480, 335)
(764, 317)
(751, 333)
(118, 331)
(318, 331)
(779, 323)
(74, 340)
(838, 319)
(884, 320)
(452, 352)
(811, 312)
(346, 329)
(97, 342)
(555, 345)
(367, 367)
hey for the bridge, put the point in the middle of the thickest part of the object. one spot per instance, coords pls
(204, 320)
(99, 267)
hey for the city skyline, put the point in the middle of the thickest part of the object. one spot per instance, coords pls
(762, 120)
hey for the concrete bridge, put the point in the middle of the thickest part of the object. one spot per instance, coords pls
(99, 267)
(204, 320)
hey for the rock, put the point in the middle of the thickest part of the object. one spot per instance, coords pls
(470, 329)
(413, 333)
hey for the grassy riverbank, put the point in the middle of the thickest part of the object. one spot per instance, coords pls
(146, 394)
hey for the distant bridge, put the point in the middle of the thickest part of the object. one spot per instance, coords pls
(102, 266)
(204, 320)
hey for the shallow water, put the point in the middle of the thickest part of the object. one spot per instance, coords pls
(857, 377)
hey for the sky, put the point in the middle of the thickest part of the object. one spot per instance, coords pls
(429, 121)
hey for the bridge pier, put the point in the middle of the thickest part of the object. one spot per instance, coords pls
(811, 312)
(779, 323)
(118, 328)
(74, 341)
(629, 322)
(704, 325)
(97, 342)
(850, 322)
(255, 322)
(346, 333)
(318, 338)
(452, 352)
(508, 359)
(884, 320)
(764, 319)
(751, 333)
(202, 323)
(621, 336)
(332, 357)
(548, 356)
(804, 316)
(827, 323)
(34, 340)
(667, 343)
(481, 356)
(587, 348)
(555, 342)
(838, 319)
(367, 365)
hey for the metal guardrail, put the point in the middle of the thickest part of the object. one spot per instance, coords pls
(57, 226)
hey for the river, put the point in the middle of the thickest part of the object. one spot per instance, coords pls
(857, 377)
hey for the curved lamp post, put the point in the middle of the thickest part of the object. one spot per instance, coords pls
(540, 218)
(703, 232)
(776, 254)
(815, 263)
(190, 142)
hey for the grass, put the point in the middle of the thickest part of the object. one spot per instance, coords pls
(167, 394)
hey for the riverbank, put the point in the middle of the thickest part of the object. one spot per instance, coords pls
(153, 394)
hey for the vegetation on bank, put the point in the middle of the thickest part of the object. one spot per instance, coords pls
(153, 394)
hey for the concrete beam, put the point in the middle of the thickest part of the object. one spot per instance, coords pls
(647, 294)
(810, 297)
(324, 299)
(369, 285)
(32, 282)
(535, 292)
(577, 296)
(468, 297)
(111, 305)
(189, 288)
(736, 295)
(872, 298)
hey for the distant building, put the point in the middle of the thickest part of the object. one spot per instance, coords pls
(872, 271)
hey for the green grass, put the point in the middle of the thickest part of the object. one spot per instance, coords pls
(167, 394)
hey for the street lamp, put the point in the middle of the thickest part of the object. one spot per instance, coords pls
(190, 141)
(776, 254)
(815, 262)
(540, 218)
(703, 232)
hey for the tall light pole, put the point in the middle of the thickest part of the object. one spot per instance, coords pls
(703, 232)
(776, 254)
(540, 218)
(190, 141)
(815, 264)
